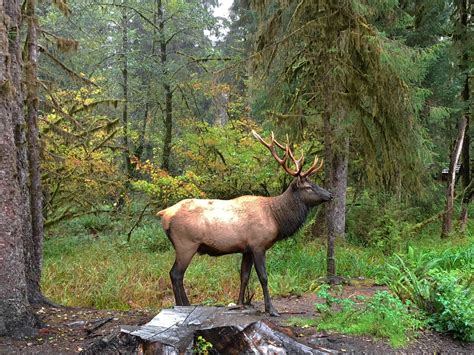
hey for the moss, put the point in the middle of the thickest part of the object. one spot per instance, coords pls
(6, 88)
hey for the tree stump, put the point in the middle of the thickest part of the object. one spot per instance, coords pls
(229, 330)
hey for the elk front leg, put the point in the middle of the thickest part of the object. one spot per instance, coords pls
(245, 271)
(259, 261)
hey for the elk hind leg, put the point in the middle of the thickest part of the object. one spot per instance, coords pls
(177, 275)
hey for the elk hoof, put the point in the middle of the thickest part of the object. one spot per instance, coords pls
(273, 313)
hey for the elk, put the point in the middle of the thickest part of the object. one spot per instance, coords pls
(248, 224)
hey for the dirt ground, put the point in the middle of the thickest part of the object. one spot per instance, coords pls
(76, 330)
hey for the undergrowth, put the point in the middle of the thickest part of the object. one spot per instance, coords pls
(381, 316)
(88, 262)
(439, 283)
(102, 270)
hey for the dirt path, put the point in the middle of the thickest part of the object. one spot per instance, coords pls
(73, 330)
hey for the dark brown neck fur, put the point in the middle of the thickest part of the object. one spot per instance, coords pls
(289, 212)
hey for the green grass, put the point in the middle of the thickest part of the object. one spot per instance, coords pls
(106, 272)
(87, 262)
(383, 316)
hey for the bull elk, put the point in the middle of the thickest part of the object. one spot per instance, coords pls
(249, 224)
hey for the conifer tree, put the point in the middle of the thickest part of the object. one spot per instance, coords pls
(324, 59)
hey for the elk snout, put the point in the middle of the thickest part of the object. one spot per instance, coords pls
(326, 195)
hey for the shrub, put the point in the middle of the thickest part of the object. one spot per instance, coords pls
(440, 284)
(451, 301)
(165, 189)
(229, 160)
(382, 316)
(379, 220)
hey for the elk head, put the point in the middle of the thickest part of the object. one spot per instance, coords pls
(306, 190)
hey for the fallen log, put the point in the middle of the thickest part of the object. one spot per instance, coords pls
(94, 325)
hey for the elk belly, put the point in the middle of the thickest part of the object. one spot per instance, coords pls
(225, 235)
(222, 234)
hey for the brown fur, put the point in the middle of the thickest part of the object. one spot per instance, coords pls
(229, 226)
(249, 225)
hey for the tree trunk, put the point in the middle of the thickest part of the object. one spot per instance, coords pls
(466, 164)
(16, 316)
(221, 103)
(168, 114)
(461, 38)
(34, 245)
(168, 121)
(448, 210)
(319, 229)
(336, 168)
(126, 153)
(466, 159)
(144, 149)
(141, 138)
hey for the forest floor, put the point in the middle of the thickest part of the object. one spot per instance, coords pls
(76, 330)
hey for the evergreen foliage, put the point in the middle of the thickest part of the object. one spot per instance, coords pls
(343, 66)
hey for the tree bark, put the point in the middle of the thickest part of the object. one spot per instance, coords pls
(16, 316)
(33, 246)
(448, 210)
(168, 114)
(336, 168)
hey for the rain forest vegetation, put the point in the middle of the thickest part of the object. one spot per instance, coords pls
(113, 110)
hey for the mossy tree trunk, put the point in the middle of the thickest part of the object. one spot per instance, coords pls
(342, 75)
(462, 40)
(16, 316)
(336, 168)
(33, 246)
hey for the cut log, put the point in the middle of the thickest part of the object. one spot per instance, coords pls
(174, 329)
(230, 331)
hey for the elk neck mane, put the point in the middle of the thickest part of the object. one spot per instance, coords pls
(289, 212)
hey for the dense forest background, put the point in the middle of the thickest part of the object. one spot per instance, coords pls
(152, 96)
(133, 105)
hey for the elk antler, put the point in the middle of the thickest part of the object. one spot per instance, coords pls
(288, 153)
(314, 168)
